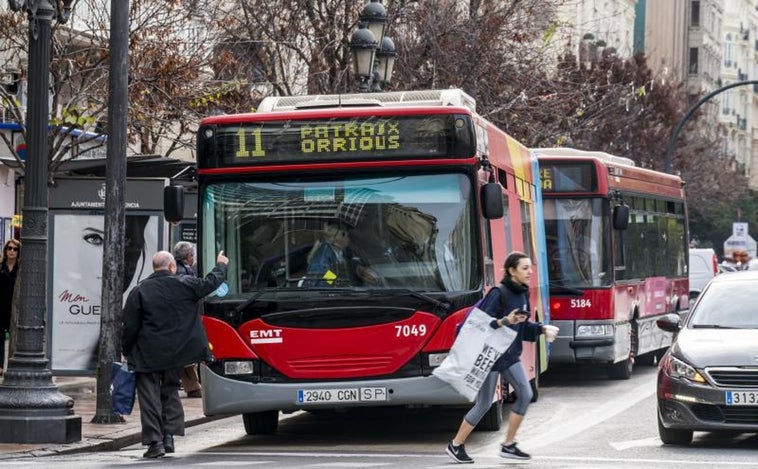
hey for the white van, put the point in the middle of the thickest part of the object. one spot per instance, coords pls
(703, 267)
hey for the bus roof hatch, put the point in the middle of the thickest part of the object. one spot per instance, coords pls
(451, 97)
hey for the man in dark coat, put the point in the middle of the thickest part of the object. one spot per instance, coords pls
(163, 332)
(184, 255)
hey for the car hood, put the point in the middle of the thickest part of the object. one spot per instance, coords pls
(717, 347)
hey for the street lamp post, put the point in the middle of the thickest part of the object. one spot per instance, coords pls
(373, 52)
(32, 409)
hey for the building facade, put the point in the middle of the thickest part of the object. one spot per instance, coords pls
(605, 24)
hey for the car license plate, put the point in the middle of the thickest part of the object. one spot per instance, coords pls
(742, 398)
(325, 396)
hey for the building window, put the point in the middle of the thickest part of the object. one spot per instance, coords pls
(695, 18)
(693, 61)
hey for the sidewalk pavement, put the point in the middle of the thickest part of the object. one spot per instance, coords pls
(98, 437)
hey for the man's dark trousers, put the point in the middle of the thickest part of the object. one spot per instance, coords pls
(161, 411)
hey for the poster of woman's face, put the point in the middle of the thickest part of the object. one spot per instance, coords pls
(77, 267)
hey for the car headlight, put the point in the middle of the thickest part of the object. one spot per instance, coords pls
(678, 369)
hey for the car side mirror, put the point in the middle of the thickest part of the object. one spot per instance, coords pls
(620, 217)
(669, 323)
(492, 201)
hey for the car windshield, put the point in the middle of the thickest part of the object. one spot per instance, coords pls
(727, 305)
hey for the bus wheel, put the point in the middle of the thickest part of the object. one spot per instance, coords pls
(622, 369)
(261, 423)
(493, 419)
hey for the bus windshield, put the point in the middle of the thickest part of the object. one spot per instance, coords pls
(577, 243)
(414, 232)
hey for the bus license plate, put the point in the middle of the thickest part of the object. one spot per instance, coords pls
(324, 396)
(742, 398)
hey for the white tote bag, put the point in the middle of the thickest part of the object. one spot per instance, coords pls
(475, 350)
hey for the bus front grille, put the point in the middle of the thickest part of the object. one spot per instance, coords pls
(354, 362)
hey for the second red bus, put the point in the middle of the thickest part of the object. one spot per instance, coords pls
(617, 239)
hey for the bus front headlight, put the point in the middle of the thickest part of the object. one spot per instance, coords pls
(594, 330)
(234, 368)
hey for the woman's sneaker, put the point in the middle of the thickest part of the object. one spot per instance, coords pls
(458, 453)
(511, 451)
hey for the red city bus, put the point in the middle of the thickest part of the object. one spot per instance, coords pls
(417, 183)
(617, 239)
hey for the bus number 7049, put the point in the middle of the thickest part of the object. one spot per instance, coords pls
(413, 330)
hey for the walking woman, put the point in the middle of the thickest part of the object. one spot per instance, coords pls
(512, 311)
(8, 273)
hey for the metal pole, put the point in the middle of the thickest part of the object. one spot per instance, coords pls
(109, 349)
(703, 100)
(32, 410)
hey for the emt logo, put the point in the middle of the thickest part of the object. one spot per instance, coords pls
(266, 336)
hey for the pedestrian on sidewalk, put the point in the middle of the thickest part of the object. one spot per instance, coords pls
(162, 332)
(8, 273)
(184, 255)
(512, 311)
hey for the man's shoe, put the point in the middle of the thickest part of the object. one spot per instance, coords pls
(511, 451)
(195, 393)
(168, 443)
(458, 453)
(156, 450)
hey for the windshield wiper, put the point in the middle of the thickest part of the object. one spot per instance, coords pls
(249, 302)
(444, 305)
(565, 289)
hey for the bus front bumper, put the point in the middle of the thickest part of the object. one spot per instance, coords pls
(222, 395)
(568, 348)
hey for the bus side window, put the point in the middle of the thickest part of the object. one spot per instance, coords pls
(489, 263)
(620, 258)
(507, 221)
(526, 229)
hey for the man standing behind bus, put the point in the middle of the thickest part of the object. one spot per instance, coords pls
(162, 332)
(184, 255)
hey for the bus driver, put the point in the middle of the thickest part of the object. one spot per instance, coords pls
(331, 261)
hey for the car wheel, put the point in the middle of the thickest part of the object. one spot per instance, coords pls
(493, 419)
(261, 423)
(671, 436)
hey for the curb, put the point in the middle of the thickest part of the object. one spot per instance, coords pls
(117, 443)
(128, 436)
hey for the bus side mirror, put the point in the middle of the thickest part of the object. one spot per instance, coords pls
(173, 203)
(621, 217)
(492, 201)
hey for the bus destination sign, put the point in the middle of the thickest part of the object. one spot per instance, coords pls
(336, 139)
(562, 177)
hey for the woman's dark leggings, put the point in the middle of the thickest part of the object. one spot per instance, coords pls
(516, 376)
